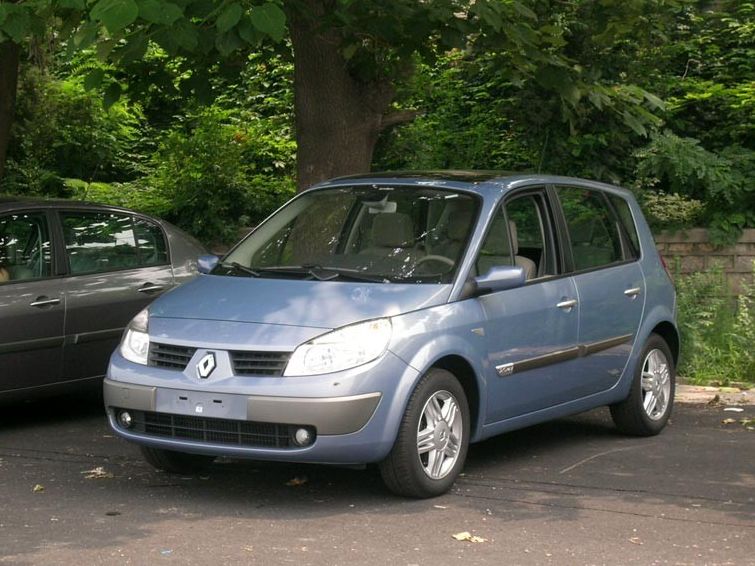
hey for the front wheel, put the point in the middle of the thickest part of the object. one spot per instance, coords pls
(176, 462)
(432, 440)
(647, 409)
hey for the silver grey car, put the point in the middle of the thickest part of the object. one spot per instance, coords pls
(72, 275)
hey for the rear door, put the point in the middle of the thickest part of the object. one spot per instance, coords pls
(32, 305)
(118, 263)
(609, 281)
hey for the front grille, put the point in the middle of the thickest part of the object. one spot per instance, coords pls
(214, 431)
(170, 356)
(259, 363)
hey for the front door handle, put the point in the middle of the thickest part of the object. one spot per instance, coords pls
(567, 304)
(633, 292)
(150, 288)
(44, 302)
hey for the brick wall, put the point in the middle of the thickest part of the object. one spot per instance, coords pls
(691, 251)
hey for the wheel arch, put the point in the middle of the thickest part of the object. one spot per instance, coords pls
(670, 335)
(465, 373)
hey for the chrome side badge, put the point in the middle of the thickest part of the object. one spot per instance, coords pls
(504, 370)
(206, 365)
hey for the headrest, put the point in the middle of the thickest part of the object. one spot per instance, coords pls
(392, 230)
(458, 222)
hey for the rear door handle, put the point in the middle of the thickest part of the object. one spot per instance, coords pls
(44, 302)
(633, 292)
(567, 304)
(150, 288)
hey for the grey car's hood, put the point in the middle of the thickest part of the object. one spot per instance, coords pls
(319, 304)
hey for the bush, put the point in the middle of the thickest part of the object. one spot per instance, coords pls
(717, 330)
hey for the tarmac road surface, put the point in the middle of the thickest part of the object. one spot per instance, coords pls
(569, 492)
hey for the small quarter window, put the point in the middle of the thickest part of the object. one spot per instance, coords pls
(151, 243)
(593, 229)
(627, 222)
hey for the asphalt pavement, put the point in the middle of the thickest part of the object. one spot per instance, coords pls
(573, 491)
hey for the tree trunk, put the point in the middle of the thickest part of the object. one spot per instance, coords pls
(338, 117)
(9, 53)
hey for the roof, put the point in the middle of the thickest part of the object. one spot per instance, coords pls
(10, 202)
(480, 182)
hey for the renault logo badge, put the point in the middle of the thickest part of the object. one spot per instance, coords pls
(206, 365)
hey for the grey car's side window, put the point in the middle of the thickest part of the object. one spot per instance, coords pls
(25, 251)
(99, 241)
(151, 243)
(593, 230)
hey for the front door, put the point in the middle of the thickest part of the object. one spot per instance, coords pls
(532, 331)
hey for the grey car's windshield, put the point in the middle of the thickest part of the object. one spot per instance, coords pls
(374, 234)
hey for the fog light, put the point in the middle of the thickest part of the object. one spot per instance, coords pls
(303, 437)
(125, 420)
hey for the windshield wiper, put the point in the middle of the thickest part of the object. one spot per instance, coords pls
(234, 265)
(324, 273)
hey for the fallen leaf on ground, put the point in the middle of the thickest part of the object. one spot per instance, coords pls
(635, 540)
(440, 507)
(297, 481)
(97, 473)
(38, 488)
(747, 422)
(734, 409)
(728, 421)
(466, 535)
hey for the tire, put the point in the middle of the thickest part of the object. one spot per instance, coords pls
(648, 408)
(410, 472)
(176, 462)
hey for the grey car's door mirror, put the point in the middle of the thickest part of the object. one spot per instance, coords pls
(499, 278)
(206, 263)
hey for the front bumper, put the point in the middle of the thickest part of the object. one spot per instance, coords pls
(328, 415)
(354, 414)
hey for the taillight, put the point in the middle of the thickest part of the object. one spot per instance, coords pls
(665, 267)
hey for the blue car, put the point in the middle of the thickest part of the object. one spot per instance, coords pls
(395, 319)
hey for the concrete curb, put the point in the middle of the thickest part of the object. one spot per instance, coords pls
(703, 395)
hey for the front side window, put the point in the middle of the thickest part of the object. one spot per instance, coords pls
(592, 226)
(24, 247)
(375, 233)
(99, 241)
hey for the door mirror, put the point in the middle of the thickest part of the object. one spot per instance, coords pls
(499, 278)
(206, 263)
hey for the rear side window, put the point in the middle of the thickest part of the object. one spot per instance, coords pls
(24, 247)
(593, 229)
(98, 242)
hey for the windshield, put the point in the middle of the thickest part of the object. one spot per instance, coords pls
(377, 233)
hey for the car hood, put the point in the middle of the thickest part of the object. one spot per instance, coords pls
(319, 304)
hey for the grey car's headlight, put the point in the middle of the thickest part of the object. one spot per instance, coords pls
(341, 349)
(135, 343)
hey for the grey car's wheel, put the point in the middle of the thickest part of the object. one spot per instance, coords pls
(647, 409)
(176, 462)
(432, 440)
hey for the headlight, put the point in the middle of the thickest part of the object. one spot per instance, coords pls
(341, 349)
(135, 343)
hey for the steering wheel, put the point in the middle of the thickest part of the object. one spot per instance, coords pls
(440, 258)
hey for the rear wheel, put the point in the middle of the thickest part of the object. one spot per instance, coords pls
(176, 462)
(647, 409)
(432, 440)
